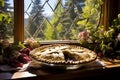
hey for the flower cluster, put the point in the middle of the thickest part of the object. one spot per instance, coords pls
(15, 54)
(32, 43)
(104, 42)
(83, 35)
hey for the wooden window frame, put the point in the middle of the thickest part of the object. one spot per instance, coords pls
(19, 17)
(18, 20)
(110, 10)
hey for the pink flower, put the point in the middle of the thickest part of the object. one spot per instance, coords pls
(118, 37)
(83, 35)
(102, 31)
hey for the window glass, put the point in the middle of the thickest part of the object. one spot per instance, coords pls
(58, 19)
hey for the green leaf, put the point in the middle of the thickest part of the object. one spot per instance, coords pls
(1, 16)
(82, 22)
(92, 11)
(21, 45)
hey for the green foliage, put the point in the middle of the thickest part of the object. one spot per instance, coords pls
(64, 20)
(2, 2)
(91, 14)
(90, 19)
(82, 22)
(21, 45)
(54, 29)
(5, 21)
(5, 18)
(48, 32)
(17, 46)
(107, 42)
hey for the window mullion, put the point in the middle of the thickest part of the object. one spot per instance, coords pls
(18, 20)
(106, 13)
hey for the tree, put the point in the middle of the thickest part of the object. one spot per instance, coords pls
(49, 35)
(69, 18)
(64, 20)
(35, 18)
(54, 28)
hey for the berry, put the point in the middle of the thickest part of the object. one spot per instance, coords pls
(25, 51)
(23, 58)
(100, 54)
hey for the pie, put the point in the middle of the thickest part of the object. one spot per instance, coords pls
(63, 54)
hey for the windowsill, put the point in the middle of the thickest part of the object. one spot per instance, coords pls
(109, 70)
(59, 41)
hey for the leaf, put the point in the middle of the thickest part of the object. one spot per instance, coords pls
(82, 22)
(2, 16)
(92, 11)
(21, 45)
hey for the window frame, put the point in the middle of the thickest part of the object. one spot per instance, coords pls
(18, 21)
(19, 18)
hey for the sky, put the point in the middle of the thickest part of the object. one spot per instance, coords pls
(47, 9)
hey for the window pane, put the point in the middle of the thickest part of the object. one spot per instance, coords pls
(54, 19)
(6, 21)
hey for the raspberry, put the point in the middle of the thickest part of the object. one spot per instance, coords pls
(25, 51)
(23, 58)
(100, 54)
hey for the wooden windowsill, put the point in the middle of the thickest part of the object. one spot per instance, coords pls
(59, 42)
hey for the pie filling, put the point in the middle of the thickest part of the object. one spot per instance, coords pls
(63, 54)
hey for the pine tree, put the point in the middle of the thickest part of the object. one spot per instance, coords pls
(49, 35)
(36, 18)
(63, 20)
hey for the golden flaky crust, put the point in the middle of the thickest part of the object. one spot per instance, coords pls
(63, 54)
